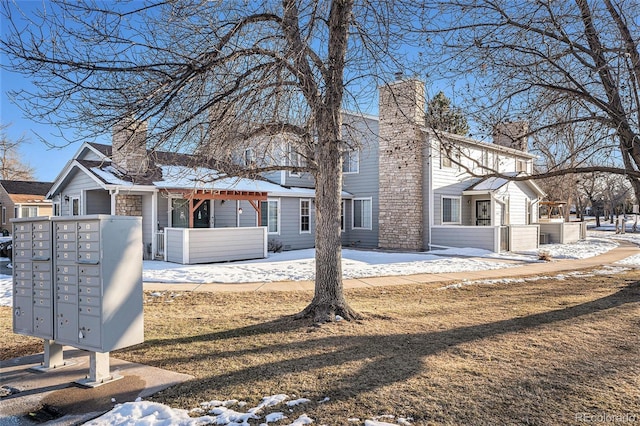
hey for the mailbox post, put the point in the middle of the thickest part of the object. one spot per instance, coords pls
(78, 282)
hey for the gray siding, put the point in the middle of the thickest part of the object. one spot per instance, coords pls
(304, 180)
(174, 245)
(289, 234)
(207, 245)
(365, 183)
(224, 213)
(483, 237)
(163, 211)
(75, 188)
(98, 202)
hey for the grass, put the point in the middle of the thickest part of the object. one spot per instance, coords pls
(538, 352)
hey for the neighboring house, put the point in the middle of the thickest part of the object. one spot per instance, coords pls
(20, 198)
(404, 187)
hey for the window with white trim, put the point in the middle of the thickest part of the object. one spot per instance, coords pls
(270, 215)
(29, 212)
(295, 159)
(361, 213)
(342, 216)
(351, 161)
(521, 166)
(305, 216)
(56, 209)
(249, 157)
(450, 209)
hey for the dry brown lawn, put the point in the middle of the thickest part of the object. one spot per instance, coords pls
(540, 352)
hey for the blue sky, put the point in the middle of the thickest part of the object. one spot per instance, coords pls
(47, 162)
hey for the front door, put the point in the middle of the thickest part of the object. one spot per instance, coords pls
(483, 213)
(201, 215)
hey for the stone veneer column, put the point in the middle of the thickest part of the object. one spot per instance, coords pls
(128, 205)
(402, 114)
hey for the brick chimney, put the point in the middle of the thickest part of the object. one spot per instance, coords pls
(402, 115)
(512, 135)
(129, 147)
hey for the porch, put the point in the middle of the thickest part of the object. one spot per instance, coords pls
(493, 238)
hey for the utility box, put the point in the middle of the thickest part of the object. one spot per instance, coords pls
(33, 287)
(98, 281)
(78, 280)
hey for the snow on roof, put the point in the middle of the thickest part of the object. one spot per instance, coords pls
(203, 178)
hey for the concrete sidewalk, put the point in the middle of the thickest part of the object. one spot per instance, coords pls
(522, 269)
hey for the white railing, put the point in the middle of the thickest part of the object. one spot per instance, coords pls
(160, 253)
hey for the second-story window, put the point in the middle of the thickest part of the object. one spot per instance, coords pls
(249, 157)
(295, 159)
(351, 161)
(521, 166)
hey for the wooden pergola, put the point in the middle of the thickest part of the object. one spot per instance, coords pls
(198, 196)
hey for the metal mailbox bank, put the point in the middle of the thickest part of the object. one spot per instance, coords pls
(78, 282)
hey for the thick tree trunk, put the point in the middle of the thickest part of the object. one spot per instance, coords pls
(328, 300)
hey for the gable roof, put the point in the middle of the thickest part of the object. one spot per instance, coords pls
(26, 187)
(492, 184)
(170, 171)
(24, 192)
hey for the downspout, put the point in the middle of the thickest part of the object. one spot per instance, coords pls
(154, 223)
(113, 193)
(430, 189)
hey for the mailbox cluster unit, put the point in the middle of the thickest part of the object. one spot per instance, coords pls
(78, 280)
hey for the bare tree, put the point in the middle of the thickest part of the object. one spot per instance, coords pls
(519, 59)
(11, 165)
(214, 78)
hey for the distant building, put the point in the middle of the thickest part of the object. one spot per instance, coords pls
(20, 198)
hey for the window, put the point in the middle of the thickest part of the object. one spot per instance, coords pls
(179, 213)
(269, 215)
(56, 209)
(362, 213)
(450, 210)
(75, 206)
(249, 157)
(342, 216)
(521, 166)
(445, 160)
(29, 212)
(305, 216)
(295, 159)
(351, 161)
(4, 215)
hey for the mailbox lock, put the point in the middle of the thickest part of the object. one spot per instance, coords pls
(18, 312)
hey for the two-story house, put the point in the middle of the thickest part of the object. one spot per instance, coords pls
(404, 187)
